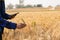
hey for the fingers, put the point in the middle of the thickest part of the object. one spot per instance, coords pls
(21, 25)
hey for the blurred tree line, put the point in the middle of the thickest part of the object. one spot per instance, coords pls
(11, 6)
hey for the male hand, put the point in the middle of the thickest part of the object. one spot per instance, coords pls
(21, 25)
(12, 16)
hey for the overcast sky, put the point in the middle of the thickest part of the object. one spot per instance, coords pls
(43, 2)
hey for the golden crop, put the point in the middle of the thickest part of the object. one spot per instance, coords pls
(42, 24)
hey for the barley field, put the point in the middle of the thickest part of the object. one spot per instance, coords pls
(42, 24)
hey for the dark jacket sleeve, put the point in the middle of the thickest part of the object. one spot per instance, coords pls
(6, 16)
(7, 24)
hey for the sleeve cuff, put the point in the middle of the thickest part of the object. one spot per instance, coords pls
(11, 25)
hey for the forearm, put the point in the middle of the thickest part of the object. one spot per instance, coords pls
(7, 24)
(11, 25)
(6, 16)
